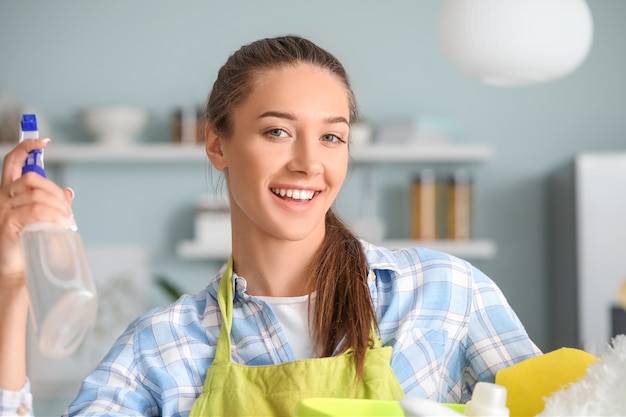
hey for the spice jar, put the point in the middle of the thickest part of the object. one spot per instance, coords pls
(188, 126)
(424, 206)
(459, 206)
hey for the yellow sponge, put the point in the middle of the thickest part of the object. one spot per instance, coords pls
(529, 382)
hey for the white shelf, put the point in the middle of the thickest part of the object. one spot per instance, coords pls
(64, 153)
(421, 153)
(470, 249)
(167, 152)
(467, 249)
(190, 249)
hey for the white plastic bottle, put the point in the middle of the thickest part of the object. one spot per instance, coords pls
(63, 298)
(488, 400)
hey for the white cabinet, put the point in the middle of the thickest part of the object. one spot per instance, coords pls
(58, 155)
(588, 213)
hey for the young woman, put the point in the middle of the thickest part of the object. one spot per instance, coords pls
(303, 308)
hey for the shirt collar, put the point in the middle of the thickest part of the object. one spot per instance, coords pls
(379, 257)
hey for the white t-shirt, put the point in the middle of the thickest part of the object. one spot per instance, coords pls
(293, 315)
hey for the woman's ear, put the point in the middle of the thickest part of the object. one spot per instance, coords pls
(214, 148)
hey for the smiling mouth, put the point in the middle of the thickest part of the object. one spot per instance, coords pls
(294, 194)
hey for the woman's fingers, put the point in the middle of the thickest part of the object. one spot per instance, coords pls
(29, 199)
(26, 199)
(32, 198)
(69, 195)
(14, 160)
(42, 196)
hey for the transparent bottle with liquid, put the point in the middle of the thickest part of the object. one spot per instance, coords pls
(63, 297)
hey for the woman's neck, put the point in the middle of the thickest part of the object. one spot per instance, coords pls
(274, 267)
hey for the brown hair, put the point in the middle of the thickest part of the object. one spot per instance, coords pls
(344, 314)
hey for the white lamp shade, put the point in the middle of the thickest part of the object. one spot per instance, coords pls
(516, 42)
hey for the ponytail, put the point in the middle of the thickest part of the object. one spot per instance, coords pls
(344, 313)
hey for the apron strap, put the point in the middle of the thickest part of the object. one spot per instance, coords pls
(225, 302)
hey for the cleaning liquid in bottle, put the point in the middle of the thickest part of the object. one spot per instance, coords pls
(63, 298)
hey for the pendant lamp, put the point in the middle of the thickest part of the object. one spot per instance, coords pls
(516, 42)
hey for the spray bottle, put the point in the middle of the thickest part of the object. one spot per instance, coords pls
(63, 298)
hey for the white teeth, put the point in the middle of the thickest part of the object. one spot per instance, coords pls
(295, 194)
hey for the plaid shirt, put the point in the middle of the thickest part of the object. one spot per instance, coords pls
(449, 325)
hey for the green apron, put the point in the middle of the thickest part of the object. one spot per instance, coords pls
(231, 389)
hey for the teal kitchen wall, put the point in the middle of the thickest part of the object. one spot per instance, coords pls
(64, 56)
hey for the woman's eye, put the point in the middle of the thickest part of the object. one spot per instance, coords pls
(332, 138)
(277, 133)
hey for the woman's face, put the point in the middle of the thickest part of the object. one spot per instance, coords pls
(288, 154)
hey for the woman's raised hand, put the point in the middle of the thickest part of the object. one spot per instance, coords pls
(26, 199)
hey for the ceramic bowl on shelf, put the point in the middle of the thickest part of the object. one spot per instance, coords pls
(115, 125)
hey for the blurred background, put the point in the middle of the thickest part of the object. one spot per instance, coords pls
(62, 58)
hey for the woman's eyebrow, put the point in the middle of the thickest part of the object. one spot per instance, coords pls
(291, 116)
(338, 119)
(279, 114)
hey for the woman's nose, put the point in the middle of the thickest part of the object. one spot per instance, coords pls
(307, 157)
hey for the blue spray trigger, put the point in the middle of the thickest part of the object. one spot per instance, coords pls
(34, 163)
(34, 160)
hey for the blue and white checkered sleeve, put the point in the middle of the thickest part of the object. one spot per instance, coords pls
(496, 337)
(16, 403)
(115, 388)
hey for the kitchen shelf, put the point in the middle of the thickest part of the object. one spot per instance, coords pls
(421, 153)
(167, 152)
(470, 249)
(85, 152)
(467, 249)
